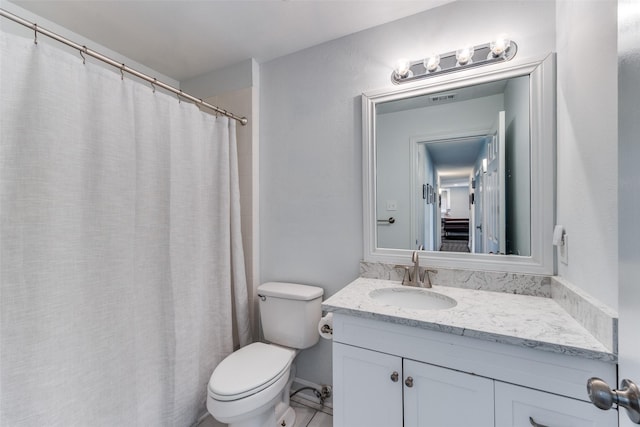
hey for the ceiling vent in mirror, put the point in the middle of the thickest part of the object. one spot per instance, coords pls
(443, 98)
(501, 49)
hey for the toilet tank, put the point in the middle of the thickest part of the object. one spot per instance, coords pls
(290, 313)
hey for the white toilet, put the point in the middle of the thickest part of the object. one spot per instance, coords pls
(250, 387)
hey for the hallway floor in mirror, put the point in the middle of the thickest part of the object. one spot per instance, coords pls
(308, 414)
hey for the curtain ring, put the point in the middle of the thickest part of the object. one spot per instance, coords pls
(122, 72)
(178, 95)
(35, 34)
(84, 60)
(153, 86)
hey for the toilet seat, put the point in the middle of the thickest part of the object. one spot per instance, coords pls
(249, 370)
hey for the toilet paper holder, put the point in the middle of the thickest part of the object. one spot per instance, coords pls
(325, 326)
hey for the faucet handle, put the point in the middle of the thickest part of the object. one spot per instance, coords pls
(406, 277)
(426, 280)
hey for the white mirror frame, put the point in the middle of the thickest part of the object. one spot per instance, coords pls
(542, 78)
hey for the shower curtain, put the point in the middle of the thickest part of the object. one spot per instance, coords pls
(120, 251)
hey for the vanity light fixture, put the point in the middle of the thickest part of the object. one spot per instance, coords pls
(464, 56)
(501, 49)
(499, 46)
(432, 63)
(403, 69)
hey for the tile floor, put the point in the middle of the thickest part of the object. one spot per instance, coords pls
(307, 415)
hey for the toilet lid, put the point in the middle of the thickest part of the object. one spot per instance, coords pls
(249, 370)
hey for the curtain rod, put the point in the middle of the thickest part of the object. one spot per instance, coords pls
(122, 67)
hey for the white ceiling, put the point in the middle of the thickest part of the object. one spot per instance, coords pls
(186, 38)
(454, 159)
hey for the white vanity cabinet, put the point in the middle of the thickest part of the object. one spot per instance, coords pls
(376, 389)
(368, 385)
(446, 380)
(432, 396)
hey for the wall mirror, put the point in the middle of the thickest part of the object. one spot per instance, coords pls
(463, 169)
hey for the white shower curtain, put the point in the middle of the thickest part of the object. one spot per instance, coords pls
(120, 251)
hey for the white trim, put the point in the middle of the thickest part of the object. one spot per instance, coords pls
(413, 149)
(543, 148)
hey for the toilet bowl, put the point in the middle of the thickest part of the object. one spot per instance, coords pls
(249, 382)
(250, 387)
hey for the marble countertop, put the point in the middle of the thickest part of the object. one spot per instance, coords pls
(526, 321)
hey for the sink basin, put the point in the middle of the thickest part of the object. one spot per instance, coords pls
(421, 299)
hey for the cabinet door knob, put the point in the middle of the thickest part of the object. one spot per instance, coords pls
(409, 382)
(395, 376)
(628, 396)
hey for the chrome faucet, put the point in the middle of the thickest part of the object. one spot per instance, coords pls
(413, 278)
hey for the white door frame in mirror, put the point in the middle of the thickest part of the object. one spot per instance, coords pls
(542, 76)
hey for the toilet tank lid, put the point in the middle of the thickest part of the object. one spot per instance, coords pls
(290, 291)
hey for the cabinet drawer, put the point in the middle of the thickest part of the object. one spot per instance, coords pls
(515, 405)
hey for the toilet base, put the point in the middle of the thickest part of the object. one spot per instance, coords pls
(266, 419)
(265, 415)
(287, 419)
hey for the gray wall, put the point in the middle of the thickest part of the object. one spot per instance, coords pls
(310, 136)
(587, 145)
(234, 77)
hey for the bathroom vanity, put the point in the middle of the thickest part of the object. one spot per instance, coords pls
(495, 342)
(493, 359)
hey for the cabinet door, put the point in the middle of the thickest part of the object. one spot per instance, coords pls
(364, 390)
(435, 396)
(515, 405)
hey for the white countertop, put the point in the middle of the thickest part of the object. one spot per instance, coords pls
(526, 321)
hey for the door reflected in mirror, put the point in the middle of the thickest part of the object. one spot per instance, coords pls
(453, 169)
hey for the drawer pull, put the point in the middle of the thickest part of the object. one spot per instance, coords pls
(535, 424)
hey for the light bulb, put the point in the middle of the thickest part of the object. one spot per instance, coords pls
(500, 45)
(403, 68)
(464, 55)
(432, 63)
